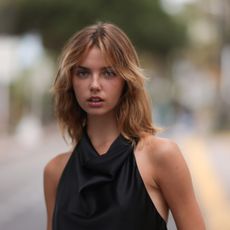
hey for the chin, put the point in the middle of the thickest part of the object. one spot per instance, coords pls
(98, 112)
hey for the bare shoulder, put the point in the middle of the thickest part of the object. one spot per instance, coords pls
(161, 150)
(172, 175)
(54, 168)
(52, 174)
(165, 157)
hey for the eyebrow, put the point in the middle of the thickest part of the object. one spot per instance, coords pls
(103, 68)
(82, 67)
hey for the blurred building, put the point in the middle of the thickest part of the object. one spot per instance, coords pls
(8, 72)
(26, 66)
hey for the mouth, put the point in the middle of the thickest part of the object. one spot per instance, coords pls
(95, 102)
(95, 99)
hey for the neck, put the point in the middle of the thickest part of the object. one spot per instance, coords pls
(102, 130)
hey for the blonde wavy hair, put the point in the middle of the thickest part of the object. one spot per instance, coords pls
(133, 113)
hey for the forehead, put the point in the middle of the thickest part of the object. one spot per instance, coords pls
(96, 57)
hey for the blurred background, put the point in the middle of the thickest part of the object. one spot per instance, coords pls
(184, 47)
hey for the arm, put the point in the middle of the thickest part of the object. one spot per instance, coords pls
(52, 174)
(50, 185)
(174, 179)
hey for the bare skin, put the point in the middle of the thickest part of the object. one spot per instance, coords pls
(160, 162)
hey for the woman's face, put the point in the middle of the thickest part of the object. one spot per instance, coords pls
(97, 86)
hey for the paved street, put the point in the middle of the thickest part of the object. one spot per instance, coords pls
(21, 176)
(21, 167)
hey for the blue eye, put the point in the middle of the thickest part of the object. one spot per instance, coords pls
(81, 73)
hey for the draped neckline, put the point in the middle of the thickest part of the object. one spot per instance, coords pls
(109, 150)
(104, 191)
(108, 163)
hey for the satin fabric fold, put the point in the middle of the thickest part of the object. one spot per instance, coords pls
(104, 192)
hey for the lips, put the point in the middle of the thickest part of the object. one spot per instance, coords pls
(95, 102)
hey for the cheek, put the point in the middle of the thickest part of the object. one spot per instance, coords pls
(116, 90)
(78, 89)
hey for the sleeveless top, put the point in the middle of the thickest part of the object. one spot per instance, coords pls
(104, 192)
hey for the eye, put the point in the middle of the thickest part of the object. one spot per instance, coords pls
(108, 73)
(81, 73)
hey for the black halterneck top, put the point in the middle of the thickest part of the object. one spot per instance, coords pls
(104, 192)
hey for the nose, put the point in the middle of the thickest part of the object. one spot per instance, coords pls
(95, 83)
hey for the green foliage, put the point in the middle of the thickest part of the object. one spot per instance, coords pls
(146, 24)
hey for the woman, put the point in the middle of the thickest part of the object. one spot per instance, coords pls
(119, 175)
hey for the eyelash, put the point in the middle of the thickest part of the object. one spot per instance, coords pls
(109, 73)
(84, 73)
(81, 73)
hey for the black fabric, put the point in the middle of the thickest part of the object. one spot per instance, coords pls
(104, 192)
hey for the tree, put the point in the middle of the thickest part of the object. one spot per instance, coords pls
(148, 26)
